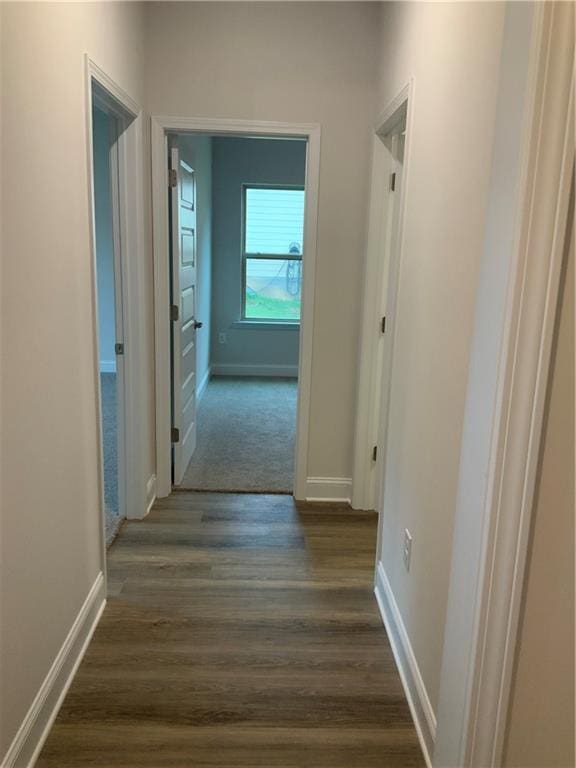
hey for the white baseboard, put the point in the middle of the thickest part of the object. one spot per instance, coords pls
(234, 369)
(329, 489)
(26, 746)
(150, 493)
(203, 384)
(107, 366)
(418, 700)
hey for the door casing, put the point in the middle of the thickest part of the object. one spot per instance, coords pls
(161, 126)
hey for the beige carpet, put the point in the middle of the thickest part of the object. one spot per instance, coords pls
(246, 432)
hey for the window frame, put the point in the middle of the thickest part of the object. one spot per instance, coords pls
(244, 255)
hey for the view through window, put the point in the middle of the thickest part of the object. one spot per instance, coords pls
(273, 250)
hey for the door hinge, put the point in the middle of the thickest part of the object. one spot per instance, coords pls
(374, 453)
(175, 435)
(392, 182)
(174, 313)
(172, 177)
(119, 348)
(383, 325)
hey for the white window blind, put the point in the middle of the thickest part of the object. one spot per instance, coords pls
(274, 221)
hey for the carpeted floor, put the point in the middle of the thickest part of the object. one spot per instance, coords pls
(246, 433)
(110, 447)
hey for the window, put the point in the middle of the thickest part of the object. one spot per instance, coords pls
(272, 253)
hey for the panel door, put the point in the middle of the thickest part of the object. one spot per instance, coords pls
(184, 323)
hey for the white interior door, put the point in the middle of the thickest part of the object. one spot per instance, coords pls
(184, 322)
(395, 143)
(118, 310)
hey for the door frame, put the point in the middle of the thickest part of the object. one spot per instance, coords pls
(381, 279)
(161, 126)
(129, 232)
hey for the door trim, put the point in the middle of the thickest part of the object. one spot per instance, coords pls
(132, 464)
(160, 127)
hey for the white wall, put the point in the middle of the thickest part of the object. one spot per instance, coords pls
(238, 161)
(104, 240)
(197, 152)
(452, 50)
(293, 62)
(541, 717)
(50, 544)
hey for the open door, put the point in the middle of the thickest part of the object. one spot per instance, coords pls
(184, 323)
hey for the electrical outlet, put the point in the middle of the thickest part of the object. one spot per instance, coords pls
(407, 548)
(222, 338)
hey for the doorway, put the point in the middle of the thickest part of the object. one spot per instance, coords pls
(114, 163)
(236, 247)
(106, 128)
(234, 415)
(387, 203)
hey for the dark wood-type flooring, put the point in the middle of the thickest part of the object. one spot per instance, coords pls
(240, 632)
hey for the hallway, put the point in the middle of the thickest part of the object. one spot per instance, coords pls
(239, 631)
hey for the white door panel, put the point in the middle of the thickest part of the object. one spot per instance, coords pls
(188, 246)
(188, 364)
(184, 328)
(187, 305)
(188, 387)
(188, 336)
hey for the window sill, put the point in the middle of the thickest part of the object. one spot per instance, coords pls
(265, 325)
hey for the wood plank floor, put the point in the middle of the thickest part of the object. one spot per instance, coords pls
(240, 632)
